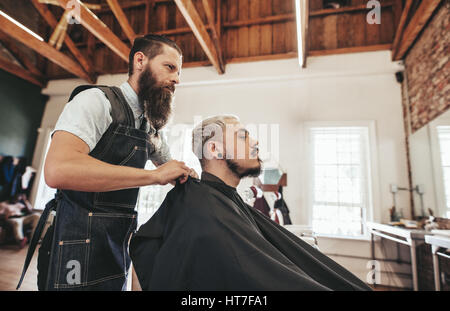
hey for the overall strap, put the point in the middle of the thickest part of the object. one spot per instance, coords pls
(120, 110)
(51, 206)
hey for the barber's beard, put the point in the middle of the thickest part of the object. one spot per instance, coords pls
(156, 99)
(240, 172)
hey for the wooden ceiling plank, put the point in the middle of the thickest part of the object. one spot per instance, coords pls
(346, 9)
(261, 20)
(219, 17)
(131, 5)
(122, 19)
(168, 32)
(148, 6)
(21, 73)
(415, 26)
(52, 22)
(215, 36)
(92, 23)
(42, 48)
(236, 24)
(21, 57)
(401, 27)
(194, 21)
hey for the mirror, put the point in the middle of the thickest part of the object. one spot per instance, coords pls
(429, 149)
(270, 176)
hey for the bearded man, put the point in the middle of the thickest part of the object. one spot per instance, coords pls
(96, 159)
(204, 237)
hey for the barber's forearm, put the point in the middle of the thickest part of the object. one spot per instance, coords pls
(85, 173)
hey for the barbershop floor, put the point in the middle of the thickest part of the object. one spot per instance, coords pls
(12, 258)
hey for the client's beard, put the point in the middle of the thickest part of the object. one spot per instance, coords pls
(156, 99)
(240, 172)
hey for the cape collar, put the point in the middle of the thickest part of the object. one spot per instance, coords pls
(208, 177)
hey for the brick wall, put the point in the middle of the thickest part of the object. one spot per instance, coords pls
(428, 70)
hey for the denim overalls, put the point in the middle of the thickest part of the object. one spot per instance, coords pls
(86, 248)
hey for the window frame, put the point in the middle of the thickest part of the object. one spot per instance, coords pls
(436, 162)
(373, 189)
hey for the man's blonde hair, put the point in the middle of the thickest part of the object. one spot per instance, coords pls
(207, 129)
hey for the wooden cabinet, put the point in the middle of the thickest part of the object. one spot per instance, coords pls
(425, 267)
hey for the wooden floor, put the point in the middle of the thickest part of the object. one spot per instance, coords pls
(11, 263)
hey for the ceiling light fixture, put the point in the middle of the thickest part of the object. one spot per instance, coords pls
(298, 14)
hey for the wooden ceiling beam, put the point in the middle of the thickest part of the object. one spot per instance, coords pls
(215, 36)
(347, 9)
(122, 19)
(194, 21)
(92, 23)
(42, 48)
(354, 49)
(415, 26)
(261, 21)
(52, 22)
(21, 73)
(19, 55)
(219, 17)
(401, 27)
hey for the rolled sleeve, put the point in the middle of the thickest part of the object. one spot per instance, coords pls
(87, 116)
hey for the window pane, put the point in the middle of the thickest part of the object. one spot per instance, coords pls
(339, 179)
(444, 146)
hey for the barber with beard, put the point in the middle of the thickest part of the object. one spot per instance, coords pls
(96, 160)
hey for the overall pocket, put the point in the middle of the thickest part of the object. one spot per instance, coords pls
(108, 255)
(72, 263)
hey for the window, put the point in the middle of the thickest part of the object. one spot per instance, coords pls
(340, 170)
(444, 147)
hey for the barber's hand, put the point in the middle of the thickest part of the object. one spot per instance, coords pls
(183, 179)
(193, 173)
(171, 171)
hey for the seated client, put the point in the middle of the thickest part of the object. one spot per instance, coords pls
(204, 237)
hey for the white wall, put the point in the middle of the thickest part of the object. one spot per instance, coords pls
(332, 88)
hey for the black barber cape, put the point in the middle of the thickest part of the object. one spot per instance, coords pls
(204, 237)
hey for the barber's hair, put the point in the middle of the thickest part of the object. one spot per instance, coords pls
(207, 129)
(151, 45)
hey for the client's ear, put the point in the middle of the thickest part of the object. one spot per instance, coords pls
(214, 150)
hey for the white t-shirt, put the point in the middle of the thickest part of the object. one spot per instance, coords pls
(88, 116)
